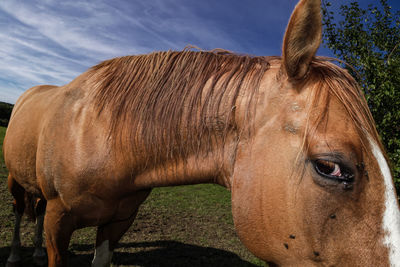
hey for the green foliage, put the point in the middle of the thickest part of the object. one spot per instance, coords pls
(5, 113)
(369, 40)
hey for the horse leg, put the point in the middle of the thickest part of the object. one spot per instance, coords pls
(39, 255)
(59, 225)
(18, 193)
(109, 234)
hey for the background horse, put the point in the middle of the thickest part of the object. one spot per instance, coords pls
(291, 137)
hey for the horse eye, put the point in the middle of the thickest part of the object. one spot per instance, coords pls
(328, 168)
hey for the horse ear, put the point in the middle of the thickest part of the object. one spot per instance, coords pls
(302, 38)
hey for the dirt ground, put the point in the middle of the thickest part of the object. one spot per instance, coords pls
(162, 235)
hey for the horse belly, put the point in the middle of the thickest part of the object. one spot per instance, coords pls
(19, 156)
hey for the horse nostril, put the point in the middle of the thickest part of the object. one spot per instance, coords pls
(286, 246)
(316, 253)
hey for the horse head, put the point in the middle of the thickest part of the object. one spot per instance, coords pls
(311, 184)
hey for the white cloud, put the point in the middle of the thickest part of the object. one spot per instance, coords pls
(9, 94)
(51, 42)
(76, 34)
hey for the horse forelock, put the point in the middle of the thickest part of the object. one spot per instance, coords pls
(326, 81)
(330, 81)
(161, 98)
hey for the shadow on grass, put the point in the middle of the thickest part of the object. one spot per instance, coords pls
(147, 254)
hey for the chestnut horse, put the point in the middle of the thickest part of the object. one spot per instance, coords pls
(290, 136)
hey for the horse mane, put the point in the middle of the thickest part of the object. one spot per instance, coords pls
(175, 103)
(334, 81)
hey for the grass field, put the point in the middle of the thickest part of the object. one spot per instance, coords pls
(176, 226)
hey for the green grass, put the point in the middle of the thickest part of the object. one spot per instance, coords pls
(2, 134)
(176, 226)
(202, 199)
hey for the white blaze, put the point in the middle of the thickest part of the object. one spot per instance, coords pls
(391, 216)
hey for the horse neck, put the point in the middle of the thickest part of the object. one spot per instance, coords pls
(213, 166)
(212, 162)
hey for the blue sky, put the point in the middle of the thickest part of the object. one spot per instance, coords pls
(51, 42)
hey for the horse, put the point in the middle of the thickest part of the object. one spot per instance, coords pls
(291, 137)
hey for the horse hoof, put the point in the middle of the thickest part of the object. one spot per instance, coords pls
(40, 260)
(13, 264)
